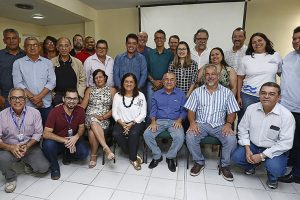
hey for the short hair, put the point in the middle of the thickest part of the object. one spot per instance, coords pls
(102, 72)
(169, 72)
(271, 84)
(77, 35)
(210, 65)
(132, 36)
(10, 30)
(16, 89)
(269, 44)
(31, 38)
(201, 30)
(135, 89)
(174, 36)
(88, 37)
(59, 39)
(239, 29)
(71, 90)
(102, 42)
(296, 30)
(161, 32)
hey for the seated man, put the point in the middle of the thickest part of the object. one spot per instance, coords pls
(64, 127)
(266, 133)
(167, 113)
(20, 131)
(211, 111)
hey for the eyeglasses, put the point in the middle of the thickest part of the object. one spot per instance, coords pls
(31, 45)
(270, 94)
(20, 98)
(182, 49)
(71, 99)
(202, 39)
(63, 46)
(50, 42)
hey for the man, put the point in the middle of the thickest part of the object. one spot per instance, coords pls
(78, 45)
(234, 56)
(200, 53)
(130, 61)
(265, 135)
(290, 81)
(211, 111)
(89, 49)
(8, 56)
(68, 70)
(20, 131)
(64, 127)
(142, 47)
(167, 113)
(158, 61)
(100, 60)
(35, 74)
(173, 43)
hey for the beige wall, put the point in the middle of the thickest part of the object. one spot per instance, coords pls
(68, 30)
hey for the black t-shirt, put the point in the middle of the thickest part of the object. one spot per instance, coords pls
(65, 76)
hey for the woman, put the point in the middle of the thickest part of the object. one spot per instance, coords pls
(184, 68)
(49, 47)
(98, 100)
(129, 112)
(228, 77)
(259, 66)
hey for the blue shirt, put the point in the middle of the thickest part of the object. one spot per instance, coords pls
(212, 108)
(6, 65)
(136, 65)
(35, 76)
(168, 106)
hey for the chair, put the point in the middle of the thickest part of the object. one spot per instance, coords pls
(209, 140)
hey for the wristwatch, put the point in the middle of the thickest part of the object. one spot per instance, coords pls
(262, 157)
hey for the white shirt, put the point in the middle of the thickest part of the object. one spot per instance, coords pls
(234, 58)
(274, 131)
(136, 112)
(92, 63)
(259, 69)
(203, 59)
(290, 82)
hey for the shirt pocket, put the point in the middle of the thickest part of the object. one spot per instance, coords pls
(272, 134)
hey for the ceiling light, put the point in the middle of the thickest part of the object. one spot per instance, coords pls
(38, 16)
(24, 6)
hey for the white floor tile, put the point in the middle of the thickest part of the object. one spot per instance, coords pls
(92, 192)
(247, 181)
(133, 183)
(107, 179)
(123, 195)
(297, 187)
(65, 171)
(83, 175)
(162, 171)
(285, 196)
(67, 191)
(220, 192)
(252, 194)
(7, 196)
(23, 197)
(147, 197)
(2, 180)
(190, 190)
(161, 187)
(145, 171)
(282, 187)
(120, 166)
(42, 188)
(23, 182)
(213, 177)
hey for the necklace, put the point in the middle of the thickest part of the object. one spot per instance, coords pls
(129, 104)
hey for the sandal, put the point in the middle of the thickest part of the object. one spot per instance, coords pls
(136, 165)
(92, 163)
(139, 159)
(10, 186)
(110, 155)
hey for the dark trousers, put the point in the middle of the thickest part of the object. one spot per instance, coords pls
(44, 114)
(129, 143)
(294, 156)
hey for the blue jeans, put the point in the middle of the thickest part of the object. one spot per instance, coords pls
(176, 134)
(228, 143)
(44, 114)
(275, 166)
(52, 148)
(149, 96)
(247, 101)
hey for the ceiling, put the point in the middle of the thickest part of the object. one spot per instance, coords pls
(55, 15)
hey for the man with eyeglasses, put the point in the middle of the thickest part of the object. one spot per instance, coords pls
(68, 70)
(265, 133)
(100, 60)
(200, 53)
(63, 129)
(36, 76)
(20, 131)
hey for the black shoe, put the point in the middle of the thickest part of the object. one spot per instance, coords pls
(55, 175)
(154, 163)
(171, 164)
(289, 178)
(66, 161)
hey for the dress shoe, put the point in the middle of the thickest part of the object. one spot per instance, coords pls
(154, 163)
(196, 169)
(226, 173)
(289, 178)
(55, 174)
(171, 164)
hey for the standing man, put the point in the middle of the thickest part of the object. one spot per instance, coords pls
(20, 131)
(167, 113)
(173, 43)
(64, 127)
(211, 111)
(78, 45)
(8, 56)
(100, 60)
(234, 56)
(266, 133)
(142, 47)
(89, 43)
(290, 81)
(130, 62)
(68, 70)
(200, 53)
(36, 76)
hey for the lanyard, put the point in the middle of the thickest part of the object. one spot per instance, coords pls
(69, 120)
(15, 120)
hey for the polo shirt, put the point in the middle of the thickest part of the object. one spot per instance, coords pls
(83, 55)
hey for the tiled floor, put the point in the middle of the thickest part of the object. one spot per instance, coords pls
(121, 182)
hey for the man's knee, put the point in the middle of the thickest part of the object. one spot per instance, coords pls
(41, 167)
(6, 159)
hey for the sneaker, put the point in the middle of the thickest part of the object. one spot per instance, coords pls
(10, 186)
(27, 169)
(226, 173)
(272, 184)
(196, 169)
(250, 171)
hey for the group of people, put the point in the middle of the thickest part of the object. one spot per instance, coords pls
(58, 93)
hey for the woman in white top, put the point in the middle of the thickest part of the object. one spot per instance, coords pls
(129, 112)
(260, 65)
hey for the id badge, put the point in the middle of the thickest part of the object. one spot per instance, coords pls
(20, 137)
(70, 132)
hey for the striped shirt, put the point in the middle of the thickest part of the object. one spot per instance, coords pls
(212, 108)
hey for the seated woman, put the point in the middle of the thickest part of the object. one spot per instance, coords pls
(98, 100)
(129, 112)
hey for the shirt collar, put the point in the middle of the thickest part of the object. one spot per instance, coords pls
(61, 61)
(29, 59)
(275, 110)
(163, 91)
(62, 110)
(19, 51)
(23, 111)
(163, 52)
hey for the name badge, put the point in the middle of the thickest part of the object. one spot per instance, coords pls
(70, 132)
(20, 137)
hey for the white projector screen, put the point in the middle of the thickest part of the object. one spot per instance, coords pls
(219, 19)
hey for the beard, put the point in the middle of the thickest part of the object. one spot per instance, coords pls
(78, 46)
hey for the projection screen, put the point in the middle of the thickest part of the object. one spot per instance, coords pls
(220, 19)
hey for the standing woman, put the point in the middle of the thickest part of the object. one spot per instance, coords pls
(259, 65)
(98, 100)
(129, 111)
(49, 47)
(184, 68)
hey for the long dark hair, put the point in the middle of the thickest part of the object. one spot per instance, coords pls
(135, 89)
(223, 62)
(269, 44)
